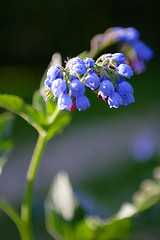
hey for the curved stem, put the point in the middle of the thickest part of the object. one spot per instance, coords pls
(14, 216)
(33, 167)
(101, 47)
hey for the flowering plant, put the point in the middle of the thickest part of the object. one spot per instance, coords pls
(108, 77)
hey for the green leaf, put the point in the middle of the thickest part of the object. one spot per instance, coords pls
(59, 124)
(66, 220)
(6, 144)
(26, 111)
(13, 103)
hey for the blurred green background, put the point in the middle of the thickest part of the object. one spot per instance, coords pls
(97, 143)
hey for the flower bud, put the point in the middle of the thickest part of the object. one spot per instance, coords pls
(124, 88)
(114, 100)
(58, 86)
(125, 70)
(89, 62)
(82, 103)
(106, 88)
(92, 80)
(65, 101)
(77, 88)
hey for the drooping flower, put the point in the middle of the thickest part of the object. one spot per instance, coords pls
(106, 88)
(124, 88)
(77, 66)
(119, 57)
(89, 62)
(58, 86)
(106, 77)
(65, 101)
(125, 70)
(77, 88)
(82, 103)
(92, 80)
(114, 100)
(143, 51)
(52, 74)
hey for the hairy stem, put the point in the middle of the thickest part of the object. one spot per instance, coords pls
(33, 167)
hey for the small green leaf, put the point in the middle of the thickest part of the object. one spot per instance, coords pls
(13, 103)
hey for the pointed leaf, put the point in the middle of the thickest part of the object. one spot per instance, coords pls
(26, 111)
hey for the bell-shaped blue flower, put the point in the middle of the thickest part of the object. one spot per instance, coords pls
(92, 80)
(124, 88)
(106, 88)
(125, 70)
(58, 86)
(77, 66)
(131, 34)
(52, 74)
(77, 88)
(89, 62)
(82, 103)
(118, 57)
(143, 51)
(65, 101)
(128, 99)
(114, 100)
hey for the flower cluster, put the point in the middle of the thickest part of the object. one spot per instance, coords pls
(106, 77)
(136, 51)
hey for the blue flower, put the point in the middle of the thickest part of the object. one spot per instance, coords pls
(89, 62)
(52, 74)
(127, 99)
(138, 65)
(92, 80)
(77, 66)
(126, 34)
(125, 70)
(82, 103)
(126, 92)
(58, 86)
(131, 34)
(124, 88)
(65, 101)
(118, 57)
(143, 51)
(114, 100)
(77, 88)
(106, 88)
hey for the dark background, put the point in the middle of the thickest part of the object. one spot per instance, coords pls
(30, 32)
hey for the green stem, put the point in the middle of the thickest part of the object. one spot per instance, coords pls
(14, 216)
(54, 116)
(33, 167)
(31, 174)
